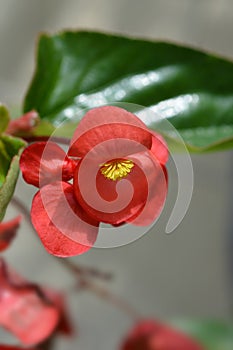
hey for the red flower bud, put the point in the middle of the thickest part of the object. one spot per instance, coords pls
(23, 125)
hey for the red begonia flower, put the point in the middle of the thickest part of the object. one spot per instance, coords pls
(8, 231)
(117, 168)
(24, 308)
(151, 335)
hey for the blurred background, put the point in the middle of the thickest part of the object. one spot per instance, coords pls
(184, 274)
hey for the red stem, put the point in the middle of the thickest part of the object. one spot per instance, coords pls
(103, 293)
(84, 274)
(62, 140)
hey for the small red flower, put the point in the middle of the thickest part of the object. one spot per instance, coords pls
(151, 335)
(28, 311)
(8, 231)
(117, 168)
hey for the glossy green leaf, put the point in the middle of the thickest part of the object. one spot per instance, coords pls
(4, 118)
(213, 335)
(10, 149)
(191, 89)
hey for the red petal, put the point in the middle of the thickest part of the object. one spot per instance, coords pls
(8, 232)
(24, 310)
(7, 347)
(45, 162)
(156, 177)
(58, 299)
(23, 125)
(117, 201)
(151, 335)
(107, 123)
(159, 148)
(109, 201)
(63, 226)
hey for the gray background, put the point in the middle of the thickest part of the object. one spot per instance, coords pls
(185, 273)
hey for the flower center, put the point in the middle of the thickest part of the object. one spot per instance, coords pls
(116, 169)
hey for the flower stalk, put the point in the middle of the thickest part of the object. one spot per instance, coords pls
(83, 276)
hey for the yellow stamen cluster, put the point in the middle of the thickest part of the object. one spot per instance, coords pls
(116, 169)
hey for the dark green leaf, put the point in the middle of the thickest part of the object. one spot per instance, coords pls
(213, 335)
(10, 149)
(4, 118)
(192, 89)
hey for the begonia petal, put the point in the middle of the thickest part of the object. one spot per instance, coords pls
(118, 201)
(45, 162)
(8, 347)
(152, 335)
(157, 180)
(107, 123)
(159, 148)
(24, 310)
(64, 326)
(64, 228)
